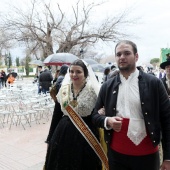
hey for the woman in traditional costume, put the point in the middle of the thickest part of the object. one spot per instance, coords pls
(74, 144)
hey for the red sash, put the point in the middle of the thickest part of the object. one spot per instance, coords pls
(122, 144)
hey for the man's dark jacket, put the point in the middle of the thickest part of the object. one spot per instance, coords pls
(166, 87)
(155, 108)
(45, 79)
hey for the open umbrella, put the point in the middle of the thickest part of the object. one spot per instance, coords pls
(90, 61)
(36, 62)
(60, 59)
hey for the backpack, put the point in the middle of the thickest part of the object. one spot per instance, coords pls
(53, 92)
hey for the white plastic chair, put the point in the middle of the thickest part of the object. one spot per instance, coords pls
(21, 115)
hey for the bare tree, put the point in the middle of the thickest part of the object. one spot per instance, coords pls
(5, 41)
(42, 30)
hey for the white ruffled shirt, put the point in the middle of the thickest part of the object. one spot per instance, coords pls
(129, 106)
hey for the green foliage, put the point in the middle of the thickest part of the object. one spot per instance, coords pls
(17, 61)
(21, 69)
(154, 60)
(9, 60)
(27, 60)
(6, 60)
(30, 69)
(163, 56)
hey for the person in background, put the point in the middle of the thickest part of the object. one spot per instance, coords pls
(3, 78)
(45, 80)
(56, 75)
(140, 68)
(150, 71)
(137, 115)
(161, 73)
(10, 79)
(68, 148)
(113, 73)
(106, 73)
(35, 78)
(62, 73)
(38, 75)
(9, 72)
(166, 79)
(0, 80)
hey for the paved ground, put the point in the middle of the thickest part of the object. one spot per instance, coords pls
(23, 149)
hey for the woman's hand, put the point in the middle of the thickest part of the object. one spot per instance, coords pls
(101, 111)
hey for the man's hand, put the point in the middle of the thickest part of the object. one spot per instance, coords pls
(115, 123)
(165, 165)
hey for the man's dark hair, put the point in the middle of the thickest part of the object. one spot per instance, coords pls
(134, 47)
(63, 69)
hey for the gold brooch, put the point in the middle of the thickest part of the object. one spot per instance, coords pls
(74, 103)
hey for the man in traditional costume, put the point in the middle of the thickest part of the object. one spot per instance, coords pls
(137, 115)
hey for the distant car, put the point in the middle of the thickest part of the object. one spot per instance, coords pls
(98, 67)
(99, 70)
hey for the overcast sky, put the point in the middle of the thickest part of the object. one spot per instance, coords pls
(151, 33)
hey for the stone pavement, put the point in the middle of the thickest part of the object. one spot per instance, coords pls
(23, 149)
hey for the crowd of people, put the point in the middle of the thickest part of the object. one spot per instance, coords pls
(131, 106)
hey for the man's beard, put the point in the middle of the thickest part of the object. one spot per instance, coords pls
(124, 68)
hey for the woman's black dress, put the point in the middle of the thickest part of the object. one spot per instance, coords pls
(68, 150)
